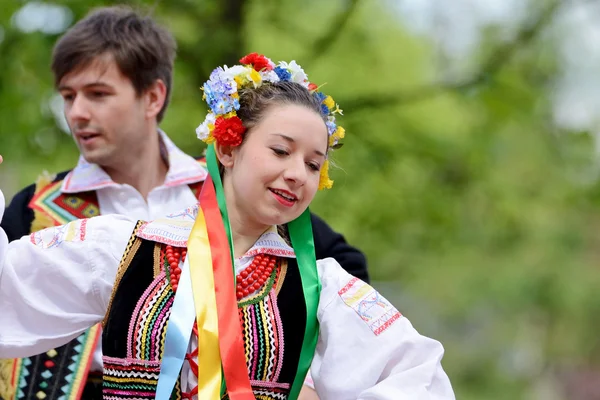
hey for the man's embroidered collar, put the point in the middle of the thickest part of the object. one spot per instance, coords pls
(183, 170)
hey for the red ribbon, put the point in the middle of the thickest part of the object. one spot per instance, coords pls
(231, 342)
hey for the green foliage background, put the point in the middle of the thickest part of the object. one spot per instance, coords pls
(479, 217)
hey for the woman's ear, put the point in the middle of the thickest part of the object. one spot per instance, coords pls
(225, 154)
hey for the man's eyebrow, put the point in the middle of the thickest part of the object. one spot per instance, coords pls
(86, 86)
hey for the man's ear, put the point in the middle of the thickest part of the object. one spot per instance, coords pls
(225, 154)
(155, 97)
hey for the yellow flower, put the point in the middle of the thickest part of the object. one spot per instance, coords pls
(338, 134)
(256, 78)
(210, 139)
(329, 102)
(324, 181)
(240, 80)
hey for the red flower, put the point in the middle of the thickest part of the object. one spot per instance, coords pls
(258, 61)
(312, 87)
(229, 131)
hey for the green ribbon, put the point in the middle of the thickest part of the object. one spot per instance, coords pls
(301, 236)
(213, 170)
(302, 239)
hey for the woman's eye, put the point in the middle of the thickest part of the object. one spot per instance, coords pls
(314, 166)
(279, 152)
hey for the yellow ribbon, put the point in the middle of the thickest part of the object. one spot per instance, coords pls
(209, 357)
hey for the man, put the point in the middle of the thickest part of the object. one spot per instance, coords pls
(114, 72)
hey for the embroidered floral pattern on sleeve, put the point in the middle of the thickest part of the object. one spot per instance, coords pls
(372, 307)
(52, 237)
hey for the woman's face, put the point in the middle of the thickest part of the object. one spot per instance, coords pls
(274, 175)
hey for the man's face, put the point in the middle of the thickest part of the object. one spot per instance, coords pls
(106, 117)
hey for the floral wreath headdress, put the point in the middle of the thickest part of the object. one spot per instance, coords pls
(221, 93)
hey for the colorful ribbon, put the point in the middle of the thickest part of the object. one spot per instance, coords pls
(179, 329)
(231, 341)
(303, 243)
(209, 359)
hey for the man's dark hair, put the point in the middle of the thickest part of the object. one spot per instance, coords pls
(143, 50)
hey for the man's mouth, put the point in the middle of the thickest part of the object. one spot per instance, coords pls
(85, 136)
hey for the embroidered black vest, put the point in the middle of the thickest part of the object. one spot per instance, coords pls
(273, 324)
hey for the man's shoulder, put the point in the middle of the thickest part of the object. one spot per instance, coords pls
(43, 180)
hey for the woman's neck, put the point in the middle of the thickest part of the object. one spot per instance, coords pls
(244, 231)
(242, 243)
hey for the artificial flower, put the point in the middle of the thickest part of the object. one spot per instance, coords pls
(329, 102)
(324, 181)
(336, 136)
(283, 73)
(269, 76)
(229, 131)
(320, 96)
(258, 61)
(298, 74)
(204, 129)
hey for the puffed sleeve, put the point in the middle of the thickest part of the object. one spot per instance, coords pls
(56, 283)
(367, 349)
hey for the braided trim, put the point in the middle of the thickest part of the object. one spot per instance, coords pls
(130, 251)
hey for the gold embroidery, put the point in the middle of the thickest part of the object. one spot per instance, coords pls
(282, 272)
(7, 391)
(157, 260)
(132, 247)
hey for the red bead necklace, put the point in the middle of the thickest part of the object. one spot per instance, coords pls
(173, 257)
(248, 281)
(255, 275)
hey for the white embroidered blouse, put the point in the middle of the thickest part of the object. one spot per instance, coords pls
(57, 283)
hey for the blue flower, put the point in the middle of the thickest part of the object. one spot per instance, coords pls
(324, 110)
(320, 96)
(331, 127)
(236, 104)
(223, 104)
(283, 73)
(215, 74)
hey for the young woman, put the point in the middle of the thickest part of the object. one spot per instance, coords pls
(225, 299)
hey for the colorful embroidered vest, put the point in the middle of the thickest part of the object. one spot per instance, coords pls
(273, 323)
(61, 373)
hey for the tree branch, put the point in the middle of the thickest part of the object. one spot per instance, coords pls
(497, 60)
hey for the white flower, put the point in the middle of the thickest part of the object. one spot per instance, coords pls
(298, 74)
(236, 70)
(203, 130)
(269, 76)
